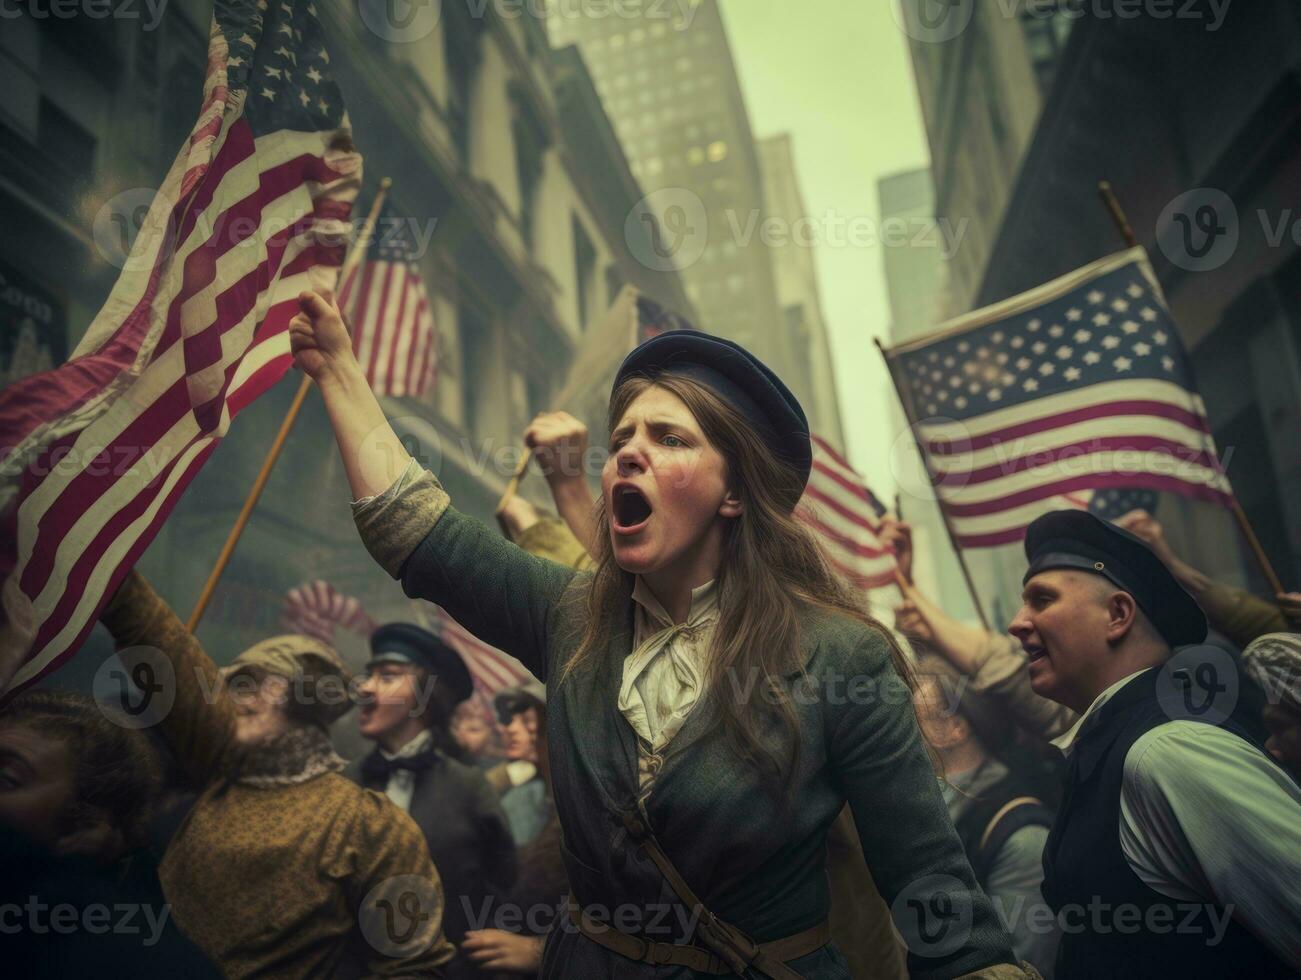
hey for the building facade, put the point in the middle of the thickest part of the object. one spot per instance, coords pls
(982, 72)
(1181, 115)
(796, 278)
(491, 140)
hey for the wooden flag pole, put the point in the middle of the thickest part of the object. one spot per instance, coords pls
(1112, 204)
(906, 402)
(268, 463)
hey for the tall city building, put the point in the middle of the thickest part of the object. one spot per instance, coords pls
(668, 82)
(1193, 118)
(982, 72)
(914, 276)
(796, 275)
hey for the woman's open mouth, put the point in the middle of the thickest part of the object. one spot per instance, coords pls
(631, 510)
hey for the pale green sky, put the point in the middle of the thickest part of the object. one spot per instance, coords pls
(837, 76)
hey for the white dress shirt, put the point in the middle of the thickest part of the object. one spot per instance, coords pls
(1205, 816)
(402, 782)
(664, 675)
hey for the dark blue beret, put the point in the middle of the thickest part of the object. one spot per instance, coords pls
(406, 643)
(739, 378)
(1076, 539)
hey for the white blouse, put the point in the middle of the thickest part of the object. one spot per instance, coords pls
(664, 676)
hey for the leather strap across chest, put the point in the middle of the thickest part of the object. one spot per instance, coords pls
(730, 950)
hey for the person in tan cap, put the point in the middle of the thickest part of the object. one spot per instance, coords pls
(283, 866)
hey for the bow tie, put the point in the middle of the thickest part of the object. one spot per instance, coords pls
(376, 769)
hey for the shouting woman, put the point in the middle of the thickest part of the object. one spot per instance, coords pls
(714, 695)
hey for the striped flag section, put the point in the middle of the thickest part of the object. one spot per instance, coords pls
(1078, 386)
(254, 210)
(491, 669)
(846, 517)
(316, 608)
(389, 313)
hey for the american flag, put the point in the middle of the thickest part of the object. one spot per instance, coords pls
(1079, 385)
(846, 518)
(491, 669)
(254, 209)
(316, 608)
(390, 315)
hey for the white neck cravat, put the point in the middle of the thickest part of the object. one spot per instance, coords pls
(664, 676)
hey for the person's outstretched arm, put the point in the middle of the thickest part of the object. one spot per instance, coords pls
(199, 724)
(559, 441)
(495, 590)
(1235, 612)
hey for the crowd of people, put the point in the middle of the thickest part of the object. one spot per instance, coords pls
(726, 765)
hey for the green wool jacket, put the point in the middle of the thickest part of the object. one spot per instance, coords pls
(755, 864)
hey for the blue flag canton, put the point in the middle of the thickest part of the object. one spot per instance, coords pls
(1116, 502)
(1113, 328)
(393, 240)
(278, 54)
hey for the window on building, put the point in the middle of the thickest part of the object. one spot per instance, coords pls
(476, 355)
(654, 167)
(530, 155)
(613, 283)
(637, 36)
(460, 81)
(584, 274)
(616, 41)
(717, 151)
(65, 141)
(695, 156)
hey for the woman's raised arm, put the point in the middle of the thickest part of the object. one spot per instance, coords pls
(498, 592)
(373, 456)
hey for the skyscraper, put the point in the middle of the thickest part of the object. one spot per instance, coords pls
(796, 275)
(669, 85)
(982, 71)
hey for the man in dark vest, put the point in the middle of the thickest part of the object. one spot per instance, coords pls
(1177, 846)
(414, 683)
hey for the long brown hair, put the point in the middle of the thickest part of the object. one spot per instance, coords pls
(771, 566)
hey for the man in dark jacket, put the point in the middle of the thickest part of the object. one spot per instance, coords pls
(414, 682)
(1176, 850)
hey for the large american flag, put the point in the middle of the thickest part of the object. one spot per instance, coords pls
(254, 209)
(845, 516)
(389, 312)
(1078, 386)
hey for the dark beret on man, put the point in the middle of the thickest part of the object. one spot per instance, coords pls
(1076, 539)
